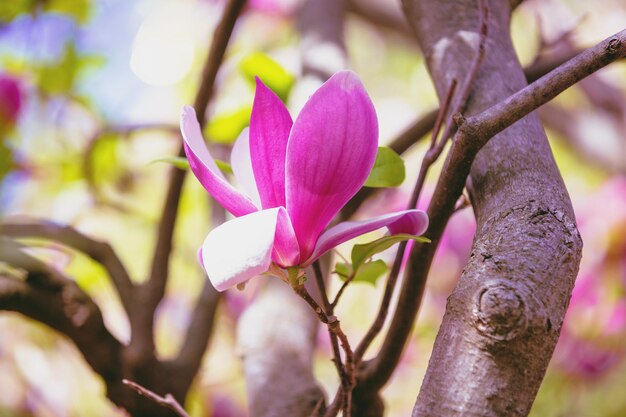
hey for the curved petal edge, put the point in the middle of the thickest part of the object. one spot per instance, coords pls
(412, 222)
(205, 169)
(239, 249)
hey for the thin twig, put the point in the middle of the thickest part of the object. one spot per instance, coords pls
(431, 156)
(347, 371)
(168, 401)
(321, 286)
(418, 130)
(343, 287)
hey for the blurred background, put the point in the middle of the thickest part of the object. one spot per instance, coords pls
(90, 93)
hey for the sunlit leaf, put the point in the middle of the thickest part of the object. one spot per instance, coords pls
(388, 170)
(58, 77)
(106, 160)
(343, 269)
(77, 9)
(361, 253)
(10, 9)
(269, 71)
(6, 160)
(226, 127)
(368, 272)
(224, 166)
(177, 161)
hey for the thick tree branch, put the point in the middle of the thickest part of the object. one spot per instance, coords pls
(99, 251)
(513, 208)
(276, 342)
(56, 301)
(142, 343)
(189, 359)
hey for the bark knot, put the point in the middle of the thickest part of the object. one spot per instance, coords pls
(500, 311)
(613, 46)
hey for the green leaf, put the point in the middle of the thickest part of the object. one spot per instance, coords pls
(59, 77)
(368, 272)
(224, 166)
(361, 253)
(183, 163)
(10, 9)
(177, 161)
(226, 127)
(388, 170)
(269, 71)
(343, 269)
(106, 159)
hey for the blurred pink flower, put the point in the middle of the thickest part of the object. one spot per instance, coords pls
(224, 406)
(584, 358)
(276, 7)
(593, 337)
(10, 101)
(297, 175)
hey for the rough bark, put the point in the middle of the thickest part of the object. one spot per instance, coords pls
(503, 319)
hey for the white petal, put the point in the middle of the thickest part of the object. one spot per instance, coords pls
(239, 249)
(242, 167)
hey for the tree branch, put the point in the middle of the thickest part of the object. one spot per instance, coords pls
(276, 340)
(56, 301)
(99, 251)
(200, 328)
(420, 128)
(168, 401)
(150, 294)
(513, 208)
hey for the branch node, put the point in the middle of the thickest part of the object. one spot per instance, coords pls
(459, 119)
(500, 311)
(613, 46)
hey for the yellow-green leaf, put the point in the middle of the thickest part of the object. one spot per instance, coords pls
(78, 9)
(269, 71)
(369, 272)
(226, 127)
(388, 170)
(361, 253)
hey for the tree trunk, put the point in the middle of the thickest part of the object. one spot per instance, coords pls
(503, 319)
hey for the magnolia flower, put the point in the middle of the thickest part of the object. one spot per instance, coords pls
(297, 177)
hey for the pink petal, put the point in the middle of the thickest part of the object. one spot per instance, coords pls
(286, 249)
(239, 249)
(205, 169)
(270, 124)
(413, 222)
(242, 167)
(331, 150)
